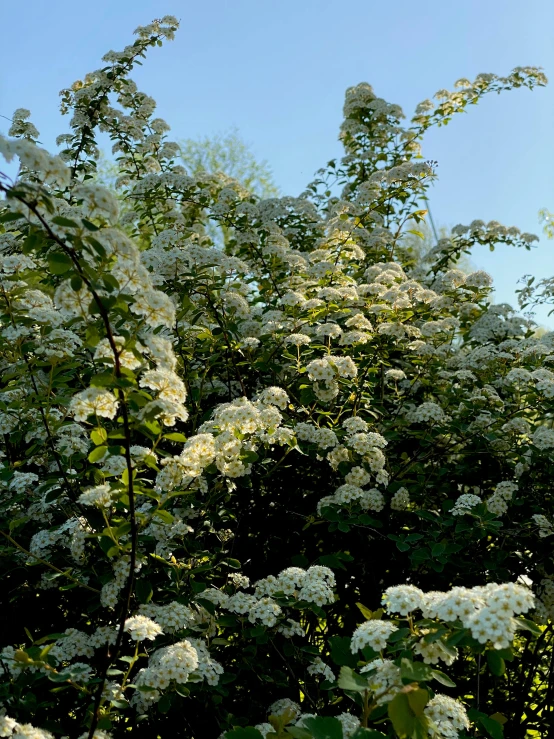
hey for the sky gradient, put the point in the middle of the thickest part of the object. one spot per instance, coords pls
(277, 71)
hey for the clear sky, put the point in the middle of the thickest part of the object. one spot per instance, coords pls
(278, 70)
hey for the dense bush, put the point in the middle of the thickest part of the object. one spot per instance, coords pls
(220, 462)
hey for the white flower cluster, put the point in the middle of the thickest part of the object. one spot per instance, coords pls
(10, 727)
(318, 667)
(97, 202)
(545, 601)
(171, 617)
(298, 340)
(448, 716)
(373, 633)
(314, 585)
(100, 496)
(465, 503)
(498, 502)
(369, 500)
(171, 394)
(50, 169)
(400, 500)
(385, 679)
(433, 652)
(141, 627)
(208, 668)
(94, 401)
(543, 438)
(292, 711)
(326, 370)
(221, 440)
(322, 436)
(274, 396)
(109, 594)
(488, 611)
(174, 663)
(75, 643)
(544, 525)
(427, 412)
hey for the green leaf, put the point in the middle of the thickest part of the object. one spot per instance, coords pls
(59, 262)
(507, 654)
(366, 613)
(32, 241)
(492, 727)
(398, 635)
(418, 699)
(324, 727)
(97, 246)
(340, 651)
(527, 625)
(6, 217)
(298, 733)
(76, 283)
(495, 662)
(97, 454)
(443, 679)
(164, 704)
(175, 437)
(246, 733)
(362, 733)
(234, 563)
(412, 672)
(98, 436)
(144, 590)
(92, 337)
(123, 529)
(165, 516)
(330, 560)
(401, 715)
(110, 282)
(61, 221)
(350, 680)
(88, 225)
(405, 722)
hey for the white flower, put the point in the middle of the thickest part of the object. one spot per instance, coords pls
(318, 667)
(94, 401)
(400, 500)
(100, 496)
(372, 633)
(7, 725)
(97, 201)
(465, 503)
(449, 715)
(543, 438)
(403, 599)
(142, 627)
(156, 308)
(297, 339)
(427, 412)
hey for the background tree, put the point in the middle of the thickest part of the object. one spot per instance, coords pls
(229, 153)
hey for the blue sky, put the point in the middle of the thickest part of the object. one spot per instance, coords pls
(278, 70)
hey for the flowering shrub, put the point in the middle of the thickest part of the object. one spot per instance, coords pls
(216, 458)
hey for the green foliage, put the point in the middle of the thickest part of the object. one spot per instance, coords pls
(267, 484)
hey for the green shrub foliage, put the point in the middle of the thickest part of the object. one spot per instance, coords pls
(295, 485)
